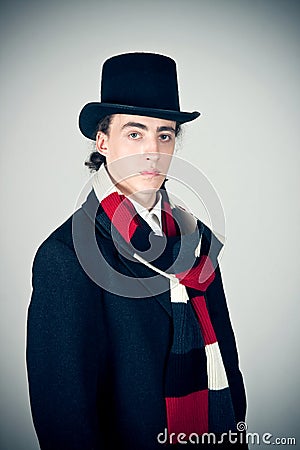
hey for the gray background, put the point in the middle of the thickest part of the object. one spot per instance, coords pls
(238, 63)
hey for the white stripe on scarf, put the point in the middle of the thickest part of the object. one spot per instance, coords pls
(216, 374)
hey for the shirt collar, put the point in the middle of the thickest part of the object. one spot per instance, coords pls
(145, 213)
(102, 184)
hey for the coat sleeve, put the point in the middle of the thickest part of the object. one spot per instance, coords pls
(66, 351)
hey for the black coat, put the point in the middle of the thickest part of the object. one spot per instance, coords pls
(95, 359)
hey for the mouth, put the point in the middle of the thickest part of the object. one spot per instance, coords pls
(150, 172)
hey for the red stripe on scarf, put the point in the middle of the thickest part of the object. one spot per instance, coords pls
(207, 330)
(198, 277)
(184, 414)
(122, 214)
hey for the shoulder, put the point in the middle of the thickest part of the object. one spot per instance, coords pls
(58, 242)
(71, 251)
(56, 254)
(211, 242)
(187, 222)
(191, 222)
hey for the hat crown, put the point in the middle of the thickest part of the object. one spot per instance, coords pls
(142, 84)
(147, 80)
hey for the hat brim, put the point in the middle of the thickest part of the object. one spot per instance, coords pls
(92, 113)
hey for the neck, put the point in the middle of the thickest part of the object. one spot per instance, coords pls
(145, 198)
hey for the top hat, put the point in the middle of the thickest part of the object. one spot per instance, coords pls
(143, 84)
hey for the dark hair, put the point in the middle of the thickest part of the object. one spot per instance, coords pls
(96, 159)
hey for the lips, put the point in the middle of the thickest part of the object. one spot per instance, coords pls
(150, 172)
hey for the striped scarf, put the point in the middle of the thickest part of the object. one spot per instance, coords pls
(197, 395)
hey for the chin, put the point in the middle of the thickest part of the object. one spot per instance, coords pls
(142, 184)
(147, 183)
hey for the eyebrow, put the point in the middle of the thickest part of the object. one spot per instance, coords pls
(144, 127)
(159, 129)
(134, 124)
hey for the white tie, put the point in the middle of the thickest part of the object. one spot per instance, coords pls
(154, 223)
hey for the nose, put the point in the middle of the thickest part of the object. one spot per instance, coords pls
(151, 150)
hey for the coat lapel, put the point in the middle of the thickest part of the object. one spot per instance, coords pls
(154, 285)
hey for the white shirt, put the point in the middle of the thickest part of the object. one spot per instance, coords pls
(103, 186)
(152, 217)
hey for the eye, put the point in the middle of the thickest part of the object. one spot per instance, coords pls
(134, 135)
(165, 137)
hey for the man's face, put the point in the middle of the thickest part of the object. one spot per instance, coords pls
(138, 152)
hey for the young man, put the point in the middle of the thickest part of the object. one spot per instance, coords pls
(129, 343)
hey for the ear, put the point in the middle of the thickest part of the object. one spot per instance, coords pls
(101, 143)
